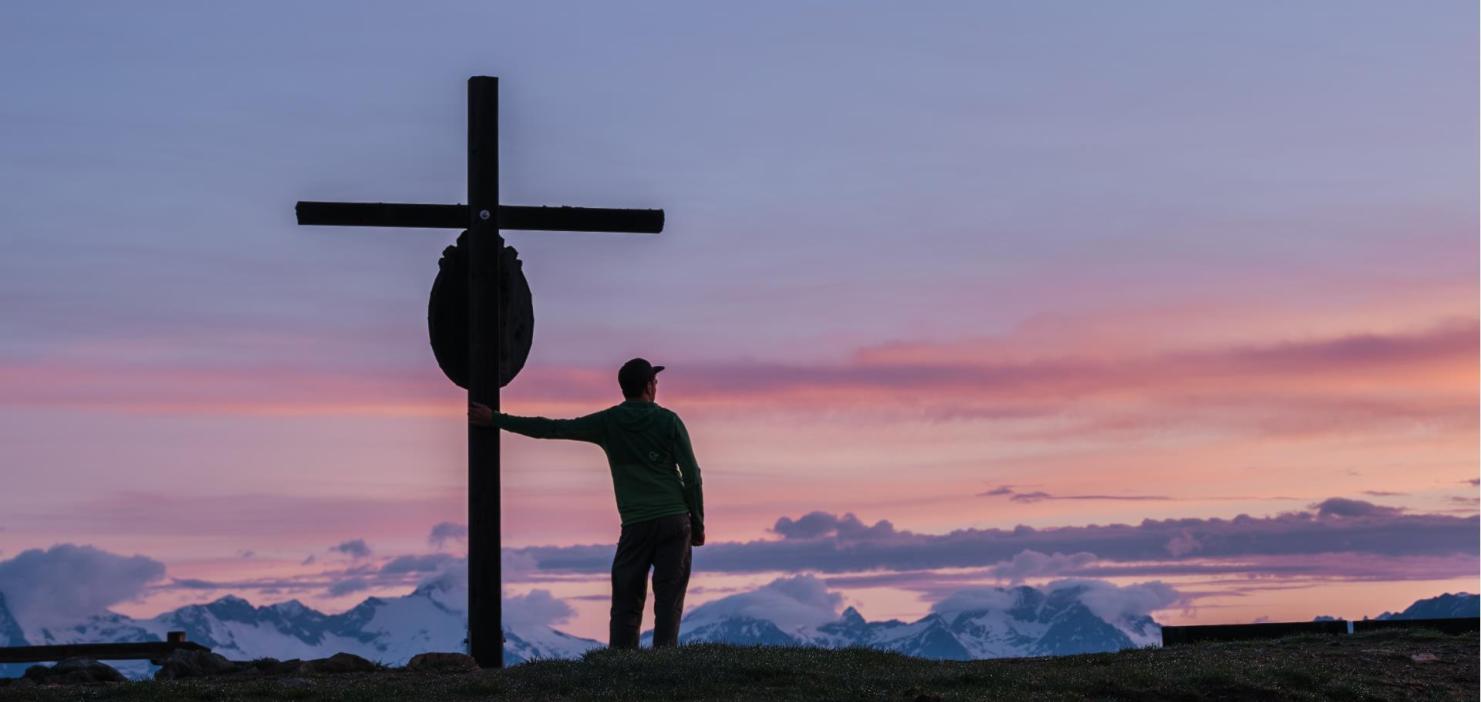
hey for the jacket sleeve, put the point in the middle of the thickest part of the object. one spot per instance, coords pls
(689, 471)
(588, 428)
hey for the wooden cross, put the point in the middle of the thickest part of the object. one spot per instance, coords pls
(483, 217)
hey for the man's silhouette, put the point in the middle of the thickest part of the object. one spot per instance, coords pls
(658, 491)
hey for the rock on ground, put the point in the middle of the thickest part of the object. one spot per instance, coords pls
(340, 663)
(74, 670)
(193, 664)
(272, 666)
(443, 663)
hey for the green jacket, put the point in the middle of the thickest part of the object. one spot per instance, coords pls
(644, 443)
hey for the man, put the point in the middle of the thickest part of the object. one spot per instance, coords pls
(662, 506)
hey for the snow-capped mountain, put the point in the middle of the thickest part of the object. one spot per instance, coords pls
(387, 630)
(1034, 623)
(10, 635)
(10, 629)
(544, 643)
(1446, 606)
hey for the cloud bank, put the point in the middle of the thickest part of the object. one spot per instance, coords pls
(801, 600)
(831, 543)
(537, 607)
(66, 581)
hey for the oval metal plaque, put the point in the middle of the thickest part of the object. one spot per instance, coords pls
(447, 314)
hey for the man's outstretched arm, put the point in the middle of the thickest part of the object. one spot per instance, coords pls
(586, 428)
(693, 490)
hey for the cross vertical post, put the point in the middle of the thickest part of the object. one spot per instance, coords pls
(485, 598)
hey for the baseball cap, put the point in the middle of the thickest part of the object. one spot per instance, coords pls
(635, 374)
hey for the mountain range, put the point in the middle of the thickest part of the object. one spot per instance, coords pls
(385, 630)
(1026, 622)
(1446, 606)
(1031, 622)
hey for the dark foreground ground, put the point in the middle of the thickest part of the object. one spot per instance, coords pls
(1377, 666)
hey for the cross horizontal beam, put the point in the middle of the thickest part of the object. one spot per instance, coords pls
(558, 219)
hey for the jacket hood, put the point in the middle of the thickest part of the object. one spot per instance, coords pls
(636, 415)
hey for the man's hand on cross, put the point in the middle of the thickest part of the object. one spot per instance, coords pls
(480, 415)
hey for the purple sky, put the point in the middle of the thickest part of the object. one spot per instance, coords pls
(1220, 255)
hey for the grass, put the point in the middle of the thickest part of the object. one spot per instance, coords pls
(1374, 666)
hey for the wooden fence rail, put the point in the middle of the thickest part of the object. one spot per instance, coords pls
(1178, 635)
(143, 650)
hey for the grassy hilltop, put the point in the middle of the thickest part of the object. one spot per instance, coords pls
(1386, 665)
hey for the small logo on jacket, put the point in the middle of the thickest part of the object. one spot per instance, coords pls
(652, 455)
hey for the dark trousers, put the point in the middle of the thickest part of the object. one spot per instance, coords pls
(663, 545)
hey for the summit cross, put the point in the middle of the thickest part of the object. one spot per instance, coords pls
(483, 217)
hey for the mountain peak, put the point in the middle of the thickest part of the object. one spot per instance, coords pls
(231, 607)
(290, 607)
(851, 616)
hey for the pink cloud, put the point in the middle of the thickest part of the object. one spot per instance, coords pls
(248, 516)
(1313, 385)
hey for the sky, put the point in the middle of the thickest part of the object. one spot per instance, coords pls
(951, 295)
